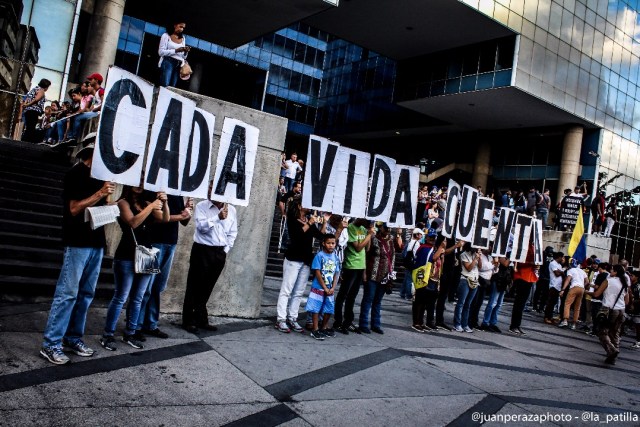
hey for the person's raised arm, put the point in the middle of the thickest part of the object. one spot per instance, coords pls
(78, 206)
(134, 221)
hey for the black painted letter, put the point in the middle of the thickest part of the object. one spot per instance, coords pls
(237, 149)
(402, 201)
(380, 166)
(192, 181)
(163, 158)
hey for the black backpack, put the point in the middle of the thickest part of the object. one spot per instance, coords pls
(409, 257)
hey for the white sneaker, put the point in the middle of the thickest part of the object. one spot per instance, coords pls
(468, 329)
(458, 329)
(563, 324)
(295, 326)
(282, 327)
(636, 345)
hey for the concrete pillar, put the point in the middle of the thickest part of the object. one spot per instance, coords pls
(102, 39)
(570, 163)
(196, 78)
(482, 167)
(238, 292)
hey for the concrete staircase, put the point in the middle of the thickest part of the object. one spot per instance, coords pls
(31, 178)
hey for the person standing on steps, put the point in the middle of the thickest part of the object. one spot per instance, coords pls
(83, 250)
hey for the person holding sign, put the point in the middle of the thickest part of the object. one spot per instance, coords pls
(524, 276)
(83, 249)
(380, 272)
(165, 239)
(297, 262)
(173, 52)
(471, 260)
(352, 273)
(426, 274)
(215, 234)
(138, 210)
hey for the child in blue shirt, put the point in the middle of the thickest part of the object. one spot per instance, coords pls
(326, 267)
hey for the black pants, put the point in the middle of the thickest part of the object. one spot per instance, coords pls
(207, 263)
(522, 290)
(552, 299)
(477, 302)
(424, 300)
(540, 294)
(31, 134)
(443, 295)
(349, 288)
(595, 307)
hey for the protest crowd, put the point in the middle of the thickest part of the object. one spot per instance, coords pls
(589, 296)
(340, 254)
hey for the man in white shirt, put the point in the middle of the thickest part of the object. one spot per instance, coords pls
(291, 167)
(575, 283)
(555, 286)
(216, 231)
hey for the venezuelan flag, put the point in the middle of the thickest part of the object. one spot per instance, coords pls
(578, 243)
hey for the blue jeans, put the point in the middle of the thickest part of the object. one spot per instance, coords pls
(371, 302)
(288, 183)
(74, 293)
(127, 282)
(405, 289)
(169, 72)
(61, 126)
(543, 214)
(78, 123)
(492, 310)
(150, 308)
(465, 297)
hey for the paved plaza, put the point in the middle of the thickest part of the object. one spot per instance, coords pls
(249, 374)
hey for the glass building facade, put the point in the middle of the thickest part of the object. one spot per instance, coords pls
(293, 57)
(584, 57)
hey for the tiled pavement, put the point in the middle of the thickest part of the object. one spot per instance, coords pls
(249, 374)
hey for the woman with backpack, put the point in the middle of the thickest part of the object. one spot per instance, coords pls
(426, 278)
(408, 256)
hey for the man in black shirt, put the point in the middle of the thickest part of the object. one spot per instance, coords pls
(83, 249)
(165, 239)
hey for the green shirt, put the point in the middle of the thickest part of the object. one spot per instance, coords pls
(354, 260)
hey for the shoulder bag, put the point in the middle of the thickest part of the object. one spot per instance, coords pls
(146, 259)
(605, 312)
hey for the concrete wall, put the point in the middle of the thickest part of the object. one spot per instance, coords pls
(238, 292)
(598, 246)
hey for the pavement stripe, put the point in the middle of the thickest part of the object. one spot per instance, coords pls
(584, 407)
(445, 334)
(228, 328)
(95, 366)
(487, 406)
(273, 416)
(284, 390)
(498, 366)
(635, 373)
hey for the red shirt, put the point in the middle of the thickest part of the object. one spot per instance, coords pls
(527, 271)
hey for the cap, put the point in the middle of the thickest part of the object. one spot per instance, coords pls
(85, 151)
(431, 232)
(96, 76)
(573, 263)
(417, 231)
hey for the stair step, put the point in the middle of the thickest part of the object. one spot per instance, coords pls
(17, 193)
(31, 289)
(41, 169)
(31, 178)
(30, 188)
(31, 228)
(31, 240)
(41, 269)
(32, 206)
(13, 252)
(30, 216)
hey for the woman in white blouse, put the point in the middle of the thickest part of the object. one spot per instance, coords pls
(173, 52)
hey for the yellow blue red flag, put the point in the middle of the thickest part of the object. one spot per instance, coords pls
(578, 243)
